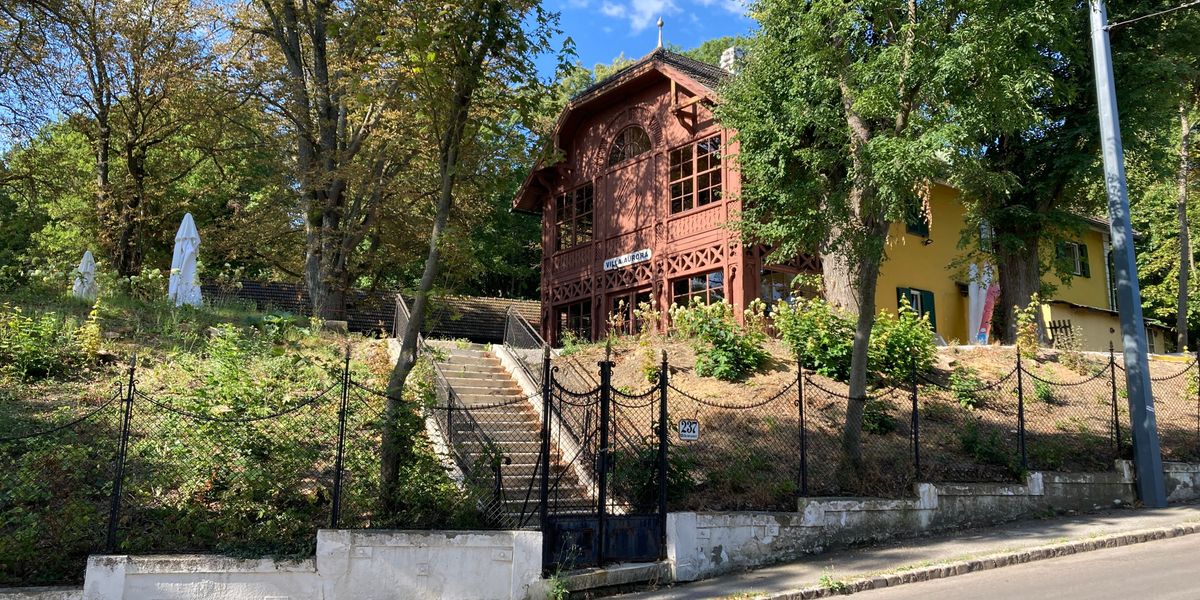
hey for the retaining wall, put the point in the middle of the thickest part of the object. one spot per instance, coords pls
(706, 544)
(349, 564)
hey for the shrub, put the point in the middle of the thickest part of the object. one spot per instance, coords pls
(820, 336)
(1027, 327)
(877, 417)
(987, 446)
(902, 343)
(724, 349)
(965, 384)
(1042, 392)
(38, 346)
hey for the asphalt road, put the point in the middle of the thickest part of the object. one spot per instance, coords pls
(1162, 570)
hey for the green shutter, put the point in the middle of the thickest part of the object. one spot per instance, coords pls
(1084, 269)
(927, 301)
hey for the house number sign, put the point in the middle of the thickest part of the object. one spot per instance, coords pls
(689, 430)
(625, 260)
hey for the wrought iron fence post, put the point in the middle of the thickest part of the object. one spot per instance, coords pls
(1021, 411)
(1198, 399)
(1112, 380)
(544, 458)
(336, 510)
(602, 454)
(663, 382)
(800, 377)
(114, 509)
(916, 422)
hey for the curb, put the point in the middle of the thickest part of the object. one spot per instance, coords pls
(989, 562)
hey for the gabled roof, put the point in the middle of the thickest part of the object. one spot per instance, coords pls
(710, 76)
(698, 77)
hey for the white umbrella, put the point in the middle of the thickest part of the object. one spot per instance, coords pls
(85, 278)
(184, 287)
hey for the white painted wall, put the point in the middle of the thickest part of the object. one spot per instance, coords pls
(349, 565)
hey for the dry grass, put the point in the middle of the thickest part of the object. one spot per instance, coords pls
(748, 455)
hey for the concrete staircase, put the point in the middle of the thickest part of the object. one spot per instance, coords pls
(500, 413)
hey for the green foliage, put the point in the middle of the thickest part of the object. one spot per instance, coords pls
(902, 345)
(878, 418)
(724, 349)
(818, 333)
(987, 445)
(35, 346)
(571, 343)
(1042, 392)
(965, 384)
(1027, 327)
(635, 473)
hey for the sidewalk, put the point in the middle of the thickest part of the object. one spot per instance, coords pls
(911, 554)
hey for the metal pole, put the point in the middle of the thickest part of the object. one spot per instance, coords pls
(602, 455)
(662, 456)
(803, 432)
(916, 423)
(336, 510)
(1147, 457)
(1021, 412)
(544, 461)
(1116, 417)
(114, 509)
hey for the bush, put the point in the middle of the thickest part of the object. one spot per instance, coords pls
(877, 417)
(38, 346)
(820, 336)
(902, 343)
(965, 384)
(1042, 392)
(987, 446)
(1027, 326)
(724, 349)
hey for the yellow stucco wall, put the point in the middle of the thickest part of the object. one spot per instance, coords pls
(1088, 291)
(928, 264)
(912, 263)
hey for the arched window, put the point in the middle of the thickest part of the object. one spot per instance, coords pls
(631, 142)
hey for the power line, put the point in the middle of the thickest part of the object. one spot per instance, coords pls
(1159, 13)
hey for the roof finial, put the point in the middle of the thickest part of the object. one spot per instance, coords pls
(660, 24)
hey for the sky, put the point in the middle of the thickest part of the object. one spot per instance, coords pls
(603, 29)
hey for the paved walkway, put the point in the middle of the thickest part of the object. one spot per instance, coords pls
(1163, 570)
(927, 551)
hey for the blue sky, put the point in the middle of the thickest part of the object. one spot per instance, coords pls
(602, 29)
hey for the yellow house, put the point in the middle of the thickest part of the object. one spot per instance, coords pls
(923, 265)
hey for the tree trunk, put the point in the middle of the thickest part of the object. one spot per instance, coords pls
(865, 278)
(1020, 278)
(1185, 247)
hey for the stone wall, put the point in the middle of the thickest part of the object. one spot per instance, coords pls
(701, 545)
(349, 564)
(1182, 481)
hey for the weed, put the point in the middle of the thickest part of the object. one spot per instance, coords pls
(877, 417)
(837, 586)
(1042, 392)
(965, 384)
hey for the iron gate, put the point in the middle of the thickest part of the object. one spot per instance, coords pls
(604, 488)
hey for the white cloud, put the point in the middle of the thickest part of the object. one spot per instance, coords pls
(613, 10)
(736, 7)
(644, 13)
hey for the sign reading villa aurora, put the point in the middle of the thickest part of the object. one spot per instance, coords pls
(625, 260)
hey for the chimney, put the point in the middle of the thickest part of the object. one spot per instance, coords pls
(731, 59)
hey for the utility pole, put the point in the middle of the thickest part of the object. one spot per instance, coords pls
(1147, 457)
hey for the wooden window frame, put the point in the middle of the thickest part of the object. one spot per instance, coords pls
(624, 149)
(695, 176)
(699, 285)
(1074, 255)
(575, 317)
(569, 220)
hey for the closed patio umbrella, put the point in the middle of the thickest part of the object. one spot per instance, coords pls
(184, 287)
(85, 278)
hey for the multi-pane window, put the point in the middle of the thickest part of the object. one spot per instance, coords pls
(921, 301)
(625, 313)
(575, 319)
(630, 142)
(708, 287)
(774, 286)
(573, 213)
(696, 174)
(1073, 258)
(916, 221)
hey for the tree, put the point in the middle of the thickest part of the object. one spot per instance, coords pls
(877, 100)
(127, 73)
(472, 62)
